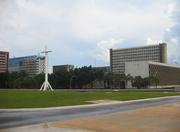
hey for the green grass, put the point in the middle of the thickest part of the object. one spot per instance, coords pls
(37, 99)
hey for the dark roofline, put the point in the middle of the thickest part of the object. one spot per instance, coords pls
(27, 56)
(64, 65)
(4, 52)
(138, 47)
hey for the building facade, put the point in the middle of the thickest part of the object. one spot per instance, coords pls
(62, 68)
(4, 57)
(167, 75)
(155, 53)
(32, 65)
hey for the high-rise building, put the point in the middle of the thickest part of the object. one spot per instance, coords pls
(32, 65)
(62, 68)
(4, 57)
(154, 53)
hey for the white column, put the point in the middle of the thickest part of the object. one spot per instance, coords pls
(46, 85)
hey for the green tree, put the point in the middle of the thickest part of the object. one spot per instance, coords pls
(154, 80)
(128, 78)
(108, 79)
(84, 75)
(137, 82)
(4, 80)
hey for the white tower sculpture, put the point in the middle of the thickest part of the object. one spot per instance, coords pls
(46, 85)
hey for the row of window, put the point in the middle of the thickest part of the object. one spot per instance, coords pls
(134, 58)
(139, 48)
(140, 51)
(137, 59)
(136, 53)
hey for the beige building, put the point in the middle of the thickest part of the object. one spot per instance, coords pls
(155, 53)
(4, 57)
(167, 75)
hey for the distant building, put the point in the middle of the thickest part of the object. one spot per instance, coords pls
(4, 57)
(167, 75)
(62, 68)
(32, 65)
(155, 53)
(104, 69)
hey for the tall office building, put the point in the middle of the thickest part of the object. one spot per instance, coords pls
(32, 65)
(154, 53)
(4, 57)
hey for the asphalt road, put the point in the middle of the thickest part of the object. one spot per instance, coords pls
(21, 118)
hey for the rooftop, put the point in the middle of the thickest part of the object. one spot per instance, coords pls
(139, 47)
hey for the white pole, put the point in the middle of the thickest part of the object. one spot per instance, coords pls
(46, 66)
(46, 85)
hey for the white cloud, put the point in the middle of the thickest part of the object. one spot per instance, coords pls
(64, 26)
(174, 49)
(98, 22)
(101, 51)
(172, 35)
(151, 41)
(171, 8)
(174, 40)
(27, 25)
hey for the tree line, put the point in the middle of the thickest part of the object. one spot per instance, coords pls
(84, 77)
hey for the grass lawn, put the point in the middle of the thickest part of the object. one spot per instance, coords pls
(37, 99)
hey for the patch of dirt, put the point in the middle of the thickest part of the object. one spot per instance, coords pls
(165, 118)
(43, 128)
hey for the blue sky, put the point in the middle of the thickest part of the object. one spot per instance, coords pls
(81, 32)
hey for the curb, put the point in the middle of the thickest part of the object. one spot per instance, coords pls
(83, 106)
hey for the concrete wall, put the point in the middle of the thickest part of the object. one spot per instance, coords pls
(138, 68)
(167, 75)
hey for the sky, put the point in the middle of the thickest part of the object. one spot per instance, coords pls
(81, 32)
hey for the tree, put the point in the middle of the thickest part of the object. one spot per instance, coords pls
(140, 82)
(145, 82)
(154, 80)
(128, 78)
(4, 80)
(84, 75)
(60, 79)
(137, 82)
(108, 79)
(16, 79)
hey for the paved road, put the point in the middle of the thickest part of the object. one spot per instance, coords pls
(20, 118)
